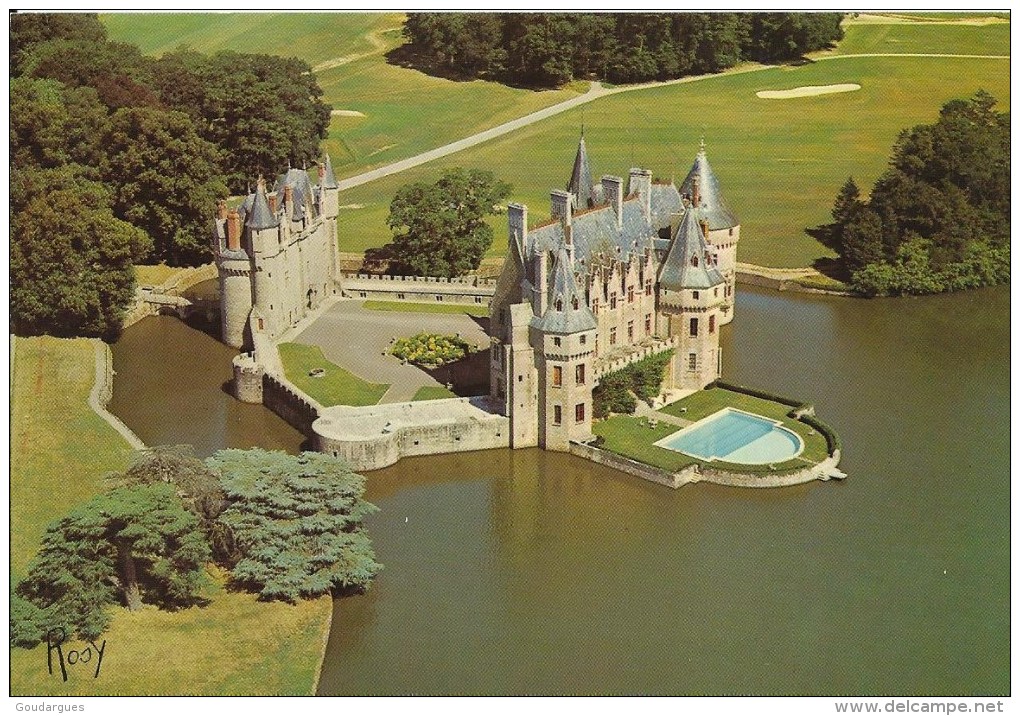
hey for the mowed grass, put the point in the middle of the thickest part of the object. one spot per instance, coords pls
(634, 437)
(335, 387)
(59, 448)
(234, 646)
(154, 274)
(480, 310)
(433, 392)
(941, 38)
(780, 162)
(59, 451)
(312, 37)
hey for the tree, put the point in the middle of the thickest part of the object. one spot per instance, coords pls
(166, 180)
(440, 228)
(71, 258)
(297, 522)
(862, 240)
(197, 486)
(30, 29)
(137, 544)
(848, 202)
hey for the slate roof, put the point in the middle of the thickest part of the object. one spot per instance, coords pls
(329, 179)
(561, 316)
(595, 233)
(301, 184)
(678, 270)
(712, 204)
(259, 216)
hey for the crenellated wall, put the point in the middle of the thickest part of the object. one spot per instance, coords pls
(419, 289)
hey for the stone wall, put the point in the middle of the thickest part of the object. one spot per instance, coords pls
(419, 289)
(290, 403)
(632, 467)
(102, 392)
(606, 366)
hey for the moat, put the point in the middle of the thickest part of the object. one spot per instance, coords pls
(534, 572)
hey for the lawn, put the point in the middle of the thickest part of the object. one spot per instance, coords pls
(433, 392)
(634, 437)
(478, 310)
(59, 451)
(335, 387)
(941, 38)
(154, 274)
(780, 162)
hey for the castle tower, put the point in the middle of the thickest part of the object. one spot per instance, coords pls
(234, 267)
(691, 299)
(702, 187)
(563, 339)
(263, 230)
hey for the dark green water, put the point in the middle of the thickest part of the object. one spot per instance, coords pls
(531, 572)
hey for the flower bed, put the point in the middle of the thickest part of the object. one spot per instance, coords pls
(431, 350)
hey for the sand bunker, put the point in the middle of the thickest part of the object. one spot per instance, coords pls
(347, 113)
(807, 91)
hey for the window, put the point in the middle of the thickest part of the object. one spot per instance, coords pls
(648, 324)
(557, 415)
(401, 297)
(612, 300)
(478, 299)
(731, 232)
(711, 323)
(579, 413)
(574, 303)
(694, 260)
(559, 305)
(439, 298)
(595, 306)
(584, 339)
(694, 295)
(630, 294)
(556, 341)
(715, 292)
(630, 331)
(596, 344)
(694, 327)
(692, 361)
(612, 336)
(579, 374)
(262, 326)
(362, 294)
(557, 376)
(648, 287)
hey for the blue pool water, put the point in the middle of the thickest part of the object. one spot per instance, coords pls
(735, 436)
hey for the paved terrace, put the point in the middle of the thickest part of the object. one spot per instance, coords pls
(356, 339)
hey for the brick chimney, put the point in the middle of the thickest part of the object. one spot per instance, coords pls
(612, 190)
(288, 201)
(221, 209)
(562, 205)
(272, 202)
(322, 173)
(233, 230)
(704, 223)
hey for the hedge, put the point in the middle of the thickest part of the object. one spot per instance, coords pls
(754, 392)
(832, 440)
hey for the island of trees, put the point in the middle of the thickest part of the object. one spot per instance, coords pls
(938, 218)
(549, 49)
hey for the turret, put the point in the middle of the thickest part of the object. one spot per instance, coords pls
(329, 190)
(581, 185)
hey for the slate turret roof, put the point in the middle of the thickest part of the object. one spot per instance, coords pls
(329, 179)
(686, 265)
(301, 185)
(567, 311)
(711, 204)
(581, 184)
(259, 216)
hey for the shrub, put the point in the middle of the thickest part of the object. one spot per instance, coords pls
(431, 350)
(832, 440)
(642, 378)
(756, 393)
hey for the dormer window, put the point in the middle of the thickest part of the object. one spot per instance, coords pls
(575, 303)
(694, 260)
(559, 305)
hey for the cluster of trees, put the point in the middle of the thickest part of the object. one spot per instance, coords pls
(287, 527)
(439, 228)
(938, 218)
(102, 136)
(618, 392)
(548, 49)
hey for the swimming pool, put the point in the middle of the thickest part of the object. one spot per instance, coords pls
(735, 436)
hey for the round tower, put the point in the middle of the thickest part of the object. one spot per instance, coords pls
(234, 267)
(247, 378)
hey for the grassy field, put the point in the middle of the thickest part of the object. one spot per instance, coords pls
(59, 451)
(406, 112)
(335, 387)
(933, 38)
(479, 310)
(780, 162)
(433, 392)
(634, 437)
(153, 274)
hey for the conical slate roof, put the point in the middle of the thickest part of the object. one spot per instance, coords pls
(581, 184)
(260, 217)
(567, 311)
(301, 186)
(711, 204)
(329, 179)
(688, 248)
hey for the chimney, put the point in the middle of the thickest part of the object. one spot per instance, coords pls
(517, 224)
(221, 209)
(272, 202)
(612, 189)
(288, 201)
(696, 198)
(641, 184)
(233, 230)
(322, 173)
(562, 205)
(704, 224)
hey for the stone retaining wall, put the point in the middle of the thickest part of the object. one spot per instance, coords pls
(290, 403)
(102, 392)
(419, 289)
(632, 467)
